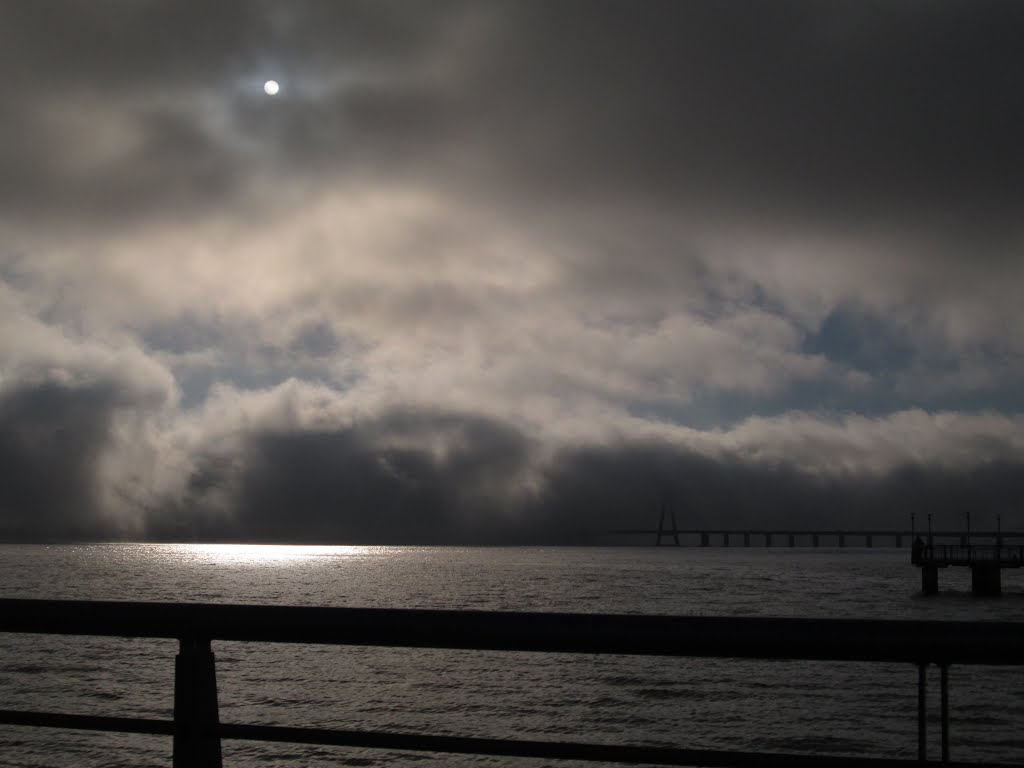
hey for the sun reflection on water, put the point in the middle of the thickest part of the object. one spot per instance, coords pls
(276, 553)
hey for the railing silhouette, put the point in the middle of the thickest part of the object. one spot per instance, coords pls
(942, 555)
(197, 732)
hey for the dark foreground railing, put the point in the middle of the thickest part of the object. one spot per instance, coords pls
(197, 732)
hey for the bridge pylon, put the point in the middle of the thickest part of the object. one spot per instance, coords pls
(667, 509)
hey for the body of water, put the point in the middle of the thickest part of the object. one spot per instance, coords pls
(856, 709)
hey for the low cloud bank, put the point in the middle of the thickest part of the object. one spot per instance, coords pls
(296, 465)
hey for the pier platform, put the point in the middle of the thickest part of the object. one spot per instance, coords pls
(986, 562)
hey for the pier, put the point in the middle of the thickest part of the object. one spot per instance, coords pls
(954, 548)
(197, 732)
(986, 562)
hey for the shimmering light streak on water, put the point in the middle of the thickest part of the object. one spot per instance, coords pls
(712, 703)
(263, 554)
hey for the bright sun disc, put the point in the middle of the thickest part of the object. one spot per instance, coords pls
(271, 87)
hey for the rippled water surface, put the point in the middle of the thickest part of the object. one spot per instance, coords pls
(854, 709)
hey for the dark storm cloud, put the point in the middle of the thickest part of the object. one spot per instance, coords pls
(433, 477)
(426, 478)
(175, 167)
(606, 488)
(51, 438)
(481, 483)
(120, 109)
(848, 112)
(125, 45)
(864, 111)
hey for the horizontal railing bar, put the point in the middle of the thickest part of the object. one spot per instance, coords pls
(607, 753)
(86, 722)
(918, 642)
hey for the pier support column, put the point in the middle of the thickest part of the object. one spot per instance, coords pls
(814, 540)
(944, 694)
(842, 540)
(705, 539)
(746, 539)
(929, 579)
(867, 541)
(986, 580)
(922, 713)
(792, 540)
(725, 539)
(767, 539)
(196, 719)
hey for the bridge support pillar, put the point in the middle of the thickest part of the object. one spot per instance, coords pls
(196, 718)
(767, 539)
(867, 540)
(746, 539)
(814, 539)
(705, 539)
(792, 540)
(929, 579)
(725, 539)
(842, 540)
(986, 580)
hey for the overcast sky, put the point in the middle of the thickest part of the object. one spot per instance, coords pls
(508, 271)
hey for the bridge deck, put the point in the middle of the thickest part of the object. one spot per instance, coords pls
(821, 537)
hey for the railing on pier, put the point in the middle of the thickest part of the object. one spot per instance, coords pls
(197, 732)
(942, 555)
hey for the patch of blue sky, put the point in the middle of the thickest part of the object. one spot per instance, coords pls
(861, 341)
(882, 396)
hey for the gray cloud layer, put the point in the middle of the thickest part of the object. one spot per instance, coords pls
(481, 264)
(296, 464)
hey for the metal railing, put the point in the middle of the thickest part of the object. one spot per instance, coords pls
(1006, 555)
(197, 731)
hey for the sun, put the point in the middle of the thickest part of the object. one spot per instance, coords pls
(271, 87)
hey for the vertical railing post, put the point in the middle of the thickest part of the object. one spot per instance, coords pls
(944, 686)
(922, 713)
(196, 719)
